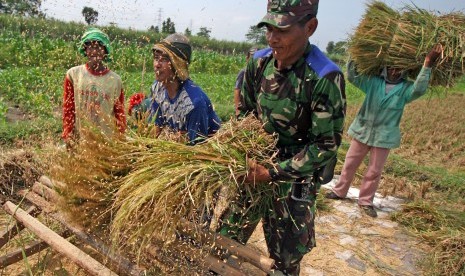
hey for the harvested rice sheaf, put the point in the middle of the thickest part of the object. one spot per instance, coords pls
(449, 255)
(402, 39)
(144, 186)
(18, 170)
(171, 181)
(89, 172)
(421, 217)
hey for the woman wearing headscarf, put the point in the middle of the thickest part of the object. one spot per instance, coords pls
(176, 101)
(92, 92)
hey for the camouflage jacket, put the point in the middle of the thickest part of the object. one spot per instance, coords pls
(305, 110)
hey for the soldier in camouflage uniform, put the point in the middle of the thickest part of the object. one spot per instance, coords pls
(299, 94)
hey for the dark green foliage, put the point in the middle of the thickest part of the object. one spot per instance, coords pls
(204, 32)
(90, 15)
(71, 32)
(21, 7)
(168, 26)
(337, 52)
(256, 35)
(154, 29)
(330, 47)
(31, 89)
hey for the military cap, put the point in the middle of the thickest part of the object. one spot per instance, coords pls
(284, 13)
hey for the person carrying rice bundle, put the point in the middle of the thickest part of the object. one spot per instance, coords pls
(375, 129)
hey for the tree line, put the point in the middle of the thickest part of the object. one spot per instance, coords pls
(255, 35)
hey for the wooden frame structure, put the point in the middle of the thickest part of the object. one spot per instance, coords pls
(214, 252)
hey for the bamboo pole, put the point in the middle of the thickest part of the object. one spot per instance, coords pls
(17, 255)
(45, 192)
(31, 249)
(49, 183)
(119, 261)
(57, 242)
(223, 268)
(241, 251)
(46, 181)
(37, 200)
(204, 260)
(166, 264)
(12, 231)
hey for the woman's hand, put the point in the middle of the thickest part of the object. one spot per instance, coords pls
(433, 55)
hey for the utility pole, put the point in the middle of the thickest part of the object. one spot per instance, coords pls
(160, 12)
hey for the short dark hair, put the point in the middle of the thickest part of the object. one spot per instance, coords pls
(305, 19)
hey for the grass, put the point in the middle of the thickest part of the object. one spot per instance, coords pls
(460, 87)
(219, 89)
(29, 132)
(442, 231)
(421, 217)
(3, 110)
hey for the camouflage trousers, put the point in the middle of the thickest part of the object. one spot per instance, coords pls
(288, 227)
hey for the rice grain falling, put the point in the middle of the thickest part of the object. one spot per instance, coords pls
(142, 187)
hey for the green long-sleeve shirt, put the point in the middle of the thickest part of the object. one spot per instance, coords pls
(377, 122)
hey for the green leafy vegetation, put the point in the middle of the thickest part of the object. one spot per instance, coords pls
(71, 32)
(3, 110)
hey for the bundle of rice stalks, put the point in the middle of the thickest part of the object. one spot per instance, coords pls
(368, 46)
(171, 181)
(145, 186)
(89, 172)
(448, 255)
(401, 40)
(18, 170)
(141, 125)
(421, 217)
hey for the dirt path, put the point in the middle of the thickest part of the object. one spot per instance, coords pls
(351, 243)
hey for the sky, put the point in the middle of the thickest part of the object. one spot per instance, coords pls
(227, 20)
